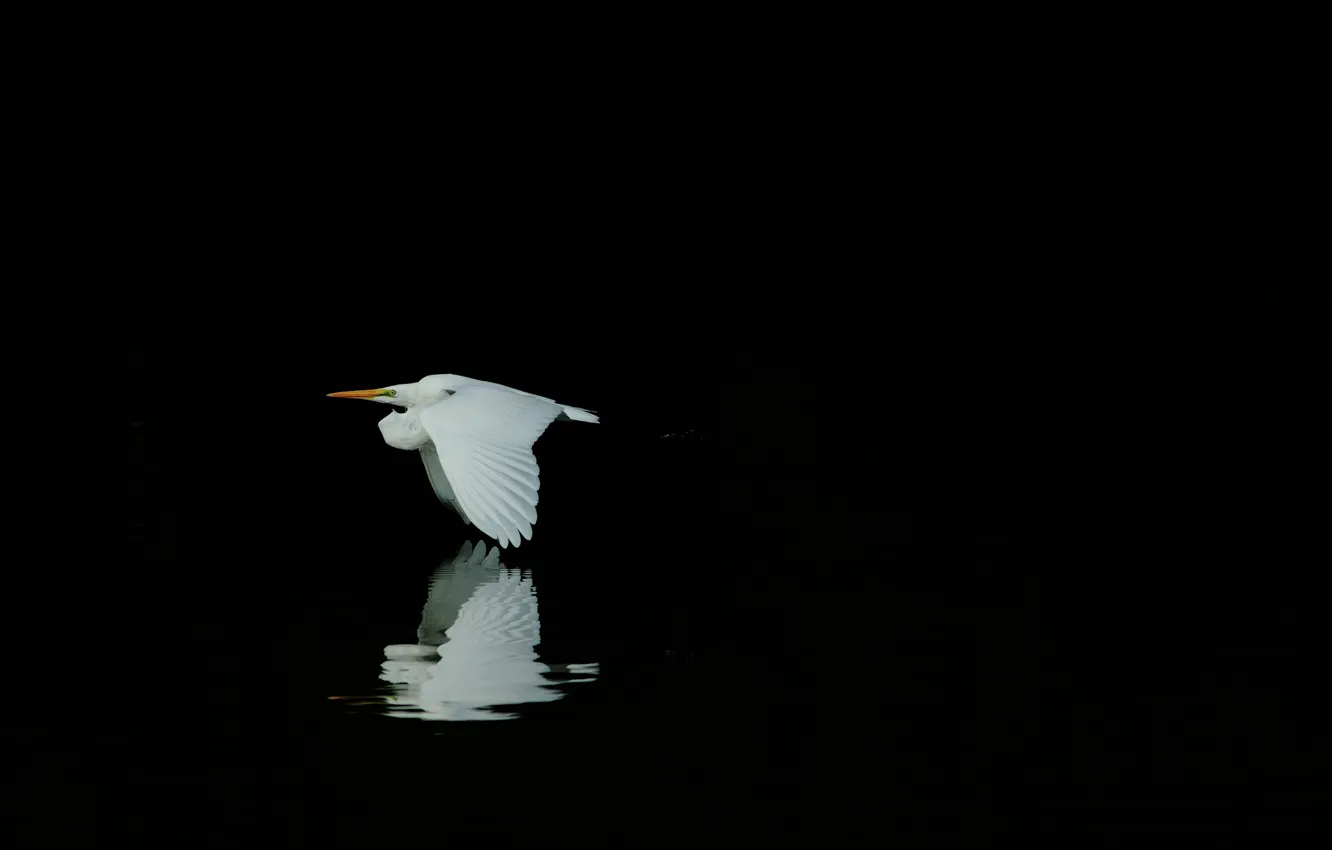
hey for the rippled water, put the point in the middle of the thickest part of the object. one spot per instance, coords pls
(476, 651)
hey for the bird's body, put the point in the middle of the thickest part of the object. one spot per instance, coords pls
(475, 439)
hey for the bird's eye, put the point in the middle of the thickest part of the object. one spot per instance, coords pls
(392, 393)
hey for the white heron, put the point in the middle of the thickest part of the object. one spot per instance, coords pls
(475, 438)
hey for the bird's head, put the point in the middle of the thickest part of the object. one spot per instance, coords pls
(402, 395)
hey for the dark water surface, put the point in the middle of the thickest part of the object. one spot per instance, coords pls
(760, 679)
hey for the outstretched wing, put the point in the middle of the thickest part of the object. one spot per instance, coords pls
(484, 436)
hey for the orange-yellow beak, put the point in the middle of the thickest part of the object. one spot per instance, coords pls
(362, 394)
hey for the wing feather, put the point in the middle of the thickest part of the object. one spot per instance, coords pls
(483, 436)
(520, 484)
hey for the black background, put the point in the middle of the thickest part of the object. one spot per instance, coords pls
(997, 369)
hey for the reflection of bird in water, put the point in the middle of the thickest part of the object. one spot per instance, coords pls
(475, 438)
(476, 645)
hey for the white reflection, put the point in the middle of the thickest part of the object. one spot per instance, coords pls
(476, 646)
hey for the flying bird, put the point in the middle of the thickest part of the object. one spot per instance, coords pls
(475, 439)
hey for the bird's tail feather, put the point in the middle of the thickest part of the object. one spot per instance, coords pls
(578, 414)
